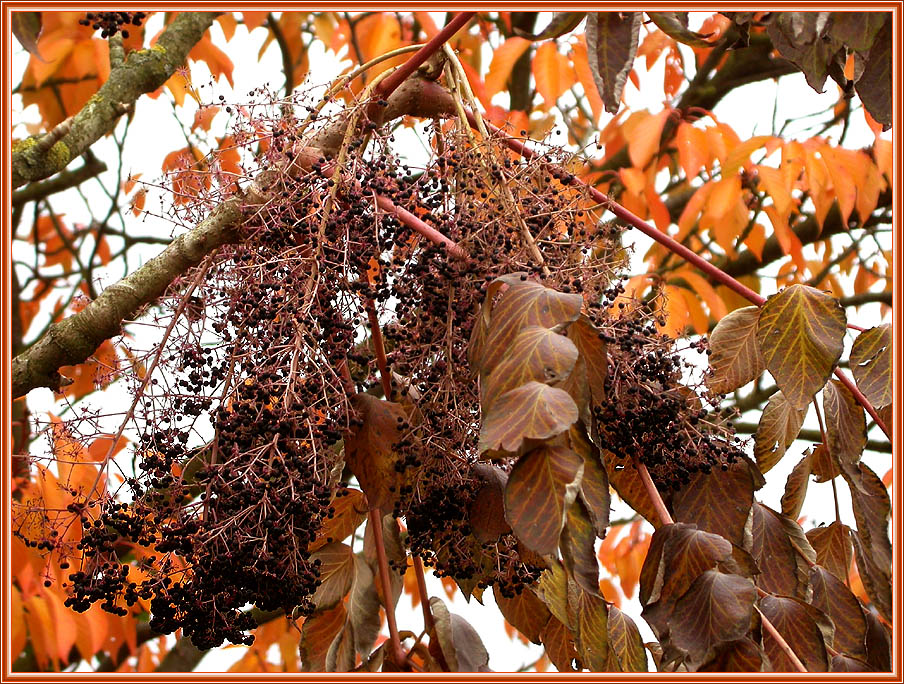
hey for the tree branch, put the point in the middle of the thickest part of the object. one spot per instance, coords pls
(143, 71)
(65, 180)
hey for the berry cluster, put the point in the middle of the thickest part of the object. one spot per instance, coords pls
(111, 23)
(649, 411)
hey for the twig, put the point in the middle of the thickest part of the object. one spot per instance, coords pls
(664, 516)
(375, 518)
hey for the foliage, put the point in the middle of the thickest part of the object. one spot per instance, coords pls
(357, 365)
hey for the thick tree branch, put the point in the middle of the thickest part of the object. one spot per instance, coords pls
(142, 72)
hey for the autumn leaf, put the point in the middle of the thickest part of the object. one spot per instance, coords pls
(736, 358)
(553, 74)
(801, 333)
(504, 58)
(612, 39)
(541, 486)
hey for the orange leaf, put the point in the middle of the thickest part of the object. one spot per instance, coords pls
(705, 291)
(674, 312)
(698, 318)
(658, 211)
(773, 183)
(634, 179)
(692, 210)
(428, 26)
(673, 76)
(843, 184)
(63, 628)
(724, 196)
(504, 58)
(254, 19)
(740, 154)
(203, 117)
(40, 625)
(643, 131)
(227, 24)
(217, 61)
(91, 634)
(585, 77)
(756, 239)
(17, 622)
(552, 73)
(692, 149)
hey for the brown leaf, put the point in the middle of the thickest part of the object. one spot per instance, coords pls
(625, 480)
(364, 607)
(778, 427)
(395, 555)
(552, 589)
(349, 511)
(588, 619)
(341, 656)
(878, 643)
(871, 364)
(542, 485)
(834, 599)
(800, 38)
(369, 449)
(577, 546)
(844, 663)
(525, 612)
(487, 512)
(559, 645)
(592, 348)
(743, 655)
(594, 491)
(532, 411)
(337, 570)
(872, 508)
(801, 335)
(26, 27)
(674, 25)
(720, 501)
(611, 46)
(796, 488)
(736, 358)
(874, 84)
(524, 303)
(845, 424)
(626, 650)
(461, 646)
(317, 633)
(535, 353)
(717, 607)
(802, 627)
(833, 548)
(782, 553)
(678, 554)
(871, 543)
(823, 466)
(857, 30)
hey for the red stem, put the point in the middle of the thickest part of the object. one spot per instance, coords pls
(664, 516)
(419, 226)
(376, 522)
(397, 77)
(429, 625)
(379, 349)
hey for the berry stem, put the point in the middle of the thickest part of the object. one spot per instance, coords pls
(429, 625)
(375, 517)
(664, 516)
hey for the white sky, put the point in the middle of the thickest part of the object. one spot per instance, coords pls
(155, 132)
